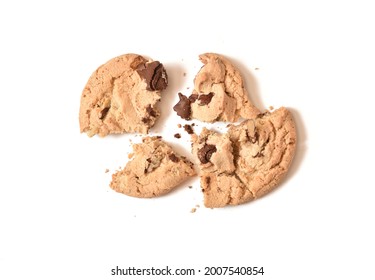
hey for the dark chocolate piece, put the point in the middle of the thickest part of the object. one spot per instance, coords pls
(103, 113)
(182, 108)
(188, 129)
(151, 111)
(205, 99)
(206, 152)
(193, 97)
(154, 74)
(146, 120)
(173, 158)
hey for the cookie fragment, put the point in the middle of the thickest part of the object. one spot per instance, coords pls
(218, 95)
(121, 96)
(154, 170)
(250, 159)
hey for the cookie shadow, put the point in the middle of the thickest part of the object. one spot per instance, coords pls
(301, 145)
(176, 80)
(250, 83)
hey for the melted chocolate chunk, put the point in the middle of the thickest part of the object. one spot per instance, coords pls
(182, 108)
(173, 158)
(205, 99)
(177, 135)
(160, 79)
(103, 113)
(151, 111)
(206, 152)
(154, 74)
(188, 129)
(193, 97)
(146, 120)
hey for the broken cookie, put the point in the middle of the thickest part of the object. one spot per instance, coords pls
(155, 170)
(248, 161)
(218, 95)
(121, 96)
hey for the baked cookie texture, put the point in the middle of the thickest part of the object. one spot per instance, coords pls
(120, 96)
(218, 95)
(155, 170)
(248, 161)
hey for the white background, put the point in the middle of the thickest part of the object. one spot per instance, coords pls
(60, 220)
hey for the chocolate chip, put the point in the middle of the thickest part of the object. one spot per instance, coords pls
(151, 111)
(193, 97)
(188, 129)
(146, 120)
(177, 135)
(206, 152)
(160, 79)
(152, 163)
(103, 113)
(205, 98)
(173, 158)
(154, 74)
(182, 108)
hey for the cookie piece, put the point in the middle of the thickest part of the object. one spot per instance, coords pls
(218, 95)
(248, 161)
(120, 96)
(155, 170)
(214, 153)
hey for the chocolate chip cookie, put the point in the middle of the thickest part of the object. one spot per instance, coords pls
(218, 95)
(120, 96)
(155, 170)
(248, 161)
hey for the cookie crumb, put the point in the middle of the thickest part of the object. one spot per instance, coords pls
(188, 129)
(179, 125)
(197, 206)
(256, 68)
(193, 210)
(190, 187)
(271, 108)
(193, 124)
(107, 170)
(130, 155)
(188, 88)
(177, 135)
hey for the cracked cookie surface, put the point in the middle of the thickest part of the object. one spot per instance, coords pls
(218, 95)
(121, 96)
(248, 161)
(155, 170)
